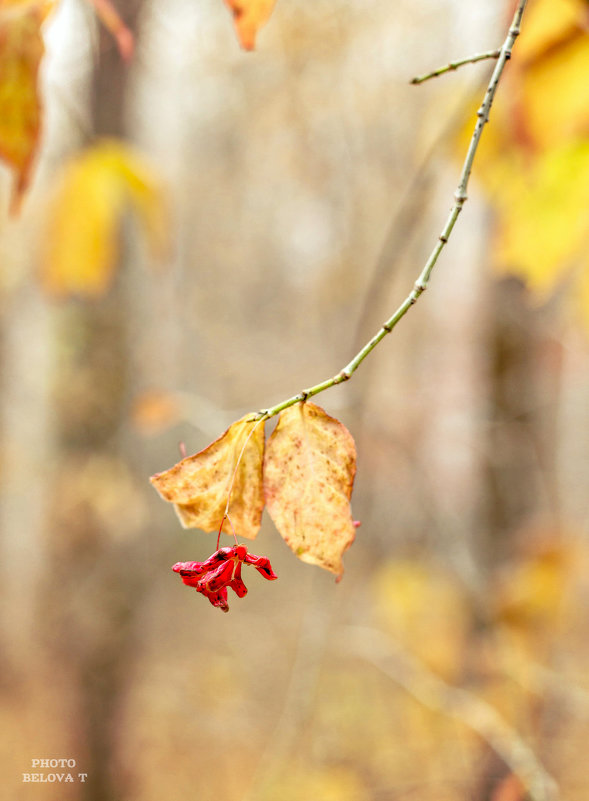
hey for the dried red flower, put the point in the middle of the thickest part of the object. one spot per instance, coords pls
(220, 571)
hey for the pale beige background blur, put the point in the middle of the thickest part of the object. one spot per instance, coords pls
(307, 182)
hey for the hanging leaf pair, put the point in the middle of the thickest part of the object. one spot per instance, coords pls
(304, 476)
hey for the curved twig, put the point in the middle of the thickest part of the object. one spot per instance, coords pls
(460, 197)
(436, 694)
(454, 65)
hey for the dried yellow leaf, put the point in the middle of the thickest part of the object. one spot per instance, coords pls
(309, 470)
(199, 485)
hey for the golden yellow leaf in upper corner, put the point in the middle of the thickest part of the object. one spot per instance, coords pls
(309, 470)
(96, 187)
(548, 25)
(533, 161)
(249, 16)
(199, 485)
(21, 51)
(553, 92)
(544, 218)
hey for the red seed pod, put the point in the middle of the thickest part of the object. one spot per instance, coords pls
(222, 570)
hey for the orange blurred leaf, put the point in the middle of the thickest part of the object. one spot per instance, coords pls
(509, 788)
(155, 411)
(249, 16)
(309, 471)
(95, 189)
(199, 485)
(21, 51)
(112, 21)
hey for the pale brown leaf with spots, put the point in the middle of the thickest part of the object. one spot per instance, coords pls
(309, 470)
(249, 16)
(199, 485)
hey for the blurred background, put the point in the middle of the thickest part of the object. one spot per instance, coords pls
(301, 188)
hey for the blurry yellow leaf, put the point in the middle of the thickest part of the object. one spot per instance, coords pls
(112, 21)
(534, 156)
(82, 240)
(328, 783)
(21, 50)
(199, 485)
(309, 471)
(155, 411)
(146, 200)
(545, 103)
(82, 247)
(426, 610)
(554, 95)
(544, 219)
(249, 16)
(549, 24)
(530, 593)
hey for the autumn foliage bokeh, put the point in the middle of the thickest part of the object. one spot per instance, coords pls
(192, 232)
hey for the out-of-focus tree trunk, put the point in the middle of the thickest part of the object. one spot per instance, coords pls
(521, 422)
(93, 617)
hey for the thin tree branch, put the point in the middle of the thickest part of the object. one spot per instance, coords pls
(460, 197)
(435, 694)
(453, 65)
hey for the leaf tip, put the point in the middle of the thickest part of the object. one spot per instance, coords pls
(248, 18)
(126, 44)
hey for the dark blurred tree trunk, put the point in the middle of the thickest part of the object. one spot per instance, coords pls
(95, 615)
(521, 434)
(109, 89)
(520, 451)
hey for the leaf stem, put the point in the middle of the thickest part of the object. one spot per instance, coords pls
(460, 198)
(454, 65)
(259, 420)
